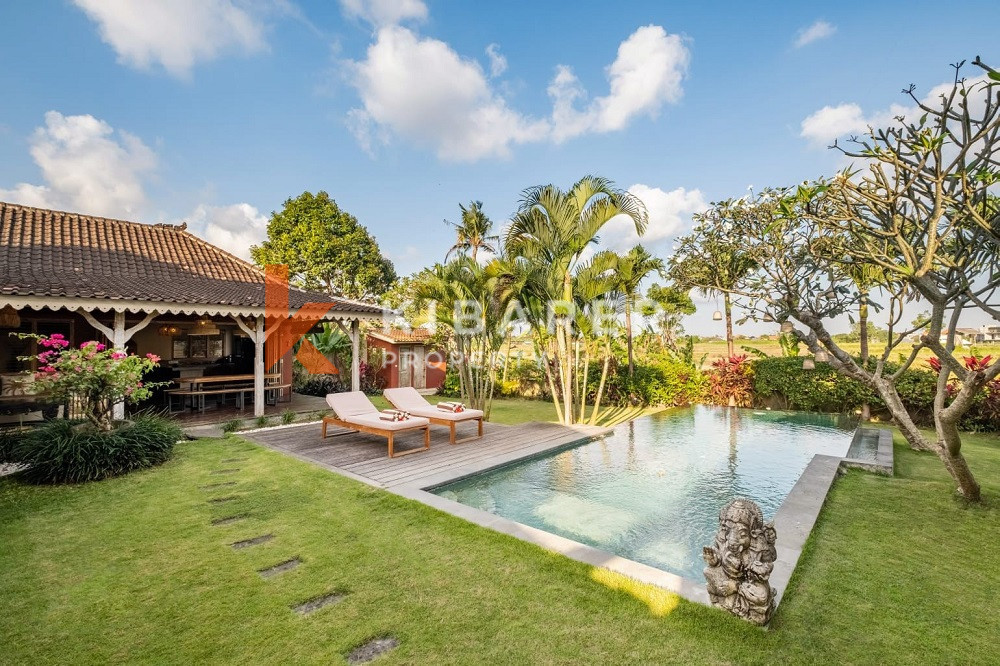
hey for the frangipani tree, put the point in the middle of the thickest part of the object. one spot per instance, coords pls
(922, 211)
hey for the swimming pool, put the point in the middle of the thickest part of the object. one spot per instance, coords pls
(651, 492)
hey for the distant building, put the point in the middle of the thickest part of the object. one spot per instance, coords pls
(411, 359)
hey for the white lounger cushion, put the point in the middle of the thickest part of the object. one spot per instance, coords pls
(409, 399)
(355, 407)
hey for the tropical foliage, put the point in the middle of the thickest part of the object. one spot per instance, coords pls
(568, 302)
(92, 376)
(325, 248)
(473, 233)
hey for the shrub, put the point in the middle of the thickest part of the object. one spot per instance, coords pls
(663, 381)
(92, 376)
(232, 425)
(731, 380)
(63, 451)
(261, 421)
(782, 383)
(287, 416)
(319, 385)
(8, 437)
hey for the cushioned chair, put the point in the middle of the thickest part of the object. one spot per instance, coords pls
(408, 399)
(355, 411)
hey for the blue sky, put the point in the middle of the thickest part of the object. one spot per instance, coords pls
(216, 111)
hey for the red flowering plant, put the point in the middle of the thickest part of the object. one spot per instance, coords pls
(989, 401)
(731, 380)
(93, 376)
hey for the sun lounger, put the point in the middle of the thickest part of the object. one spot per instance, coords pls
(409, 399)
(355, 411)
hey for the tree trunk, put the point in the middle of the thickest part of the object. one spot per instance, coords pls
(628, 337)
(552, 387)
(863, 320)
(583, 384)
(600, 386)
(729, 324)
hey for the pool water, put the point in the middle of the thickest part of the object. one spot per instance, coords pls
(651, 492)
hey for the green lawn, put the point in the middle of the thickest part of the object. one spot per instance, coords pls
(132, 570)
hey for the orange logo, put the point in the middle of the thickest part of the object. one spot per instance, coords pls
(284, 330)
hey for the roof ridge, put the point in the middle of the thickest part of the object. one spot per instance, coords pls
(161, 225)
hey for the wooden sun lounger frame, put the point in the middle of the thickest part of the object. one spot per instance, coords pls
(451, 423)
(389, 434)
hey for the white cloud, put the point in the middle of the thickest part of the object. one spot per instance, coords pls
(234, 228)
(87, 167)
(421, 90)
(385, 12)
(647, 73)
(669, 212)
(498, 63)
(832, 122)
(174, 33)
(817, 31)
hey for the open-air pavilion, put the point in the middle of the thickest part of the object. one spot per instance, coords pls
(152, 289)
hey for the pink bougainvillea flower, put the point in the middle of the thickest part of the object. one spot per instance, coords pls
(153, 357)
(100, 347)
(117, 355)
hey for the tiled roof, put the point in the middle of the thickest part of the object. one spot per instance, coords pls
(47, 253)
(398, 335)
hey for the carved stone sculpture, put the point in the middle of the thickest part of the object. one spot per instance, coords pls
(740, 562)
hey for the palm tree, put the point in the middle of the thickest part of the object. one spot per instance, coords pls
(632, 269)
(545, 245)
(473, 232)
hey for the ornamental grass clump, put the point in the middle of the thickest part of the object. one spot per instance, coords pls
(92, 379)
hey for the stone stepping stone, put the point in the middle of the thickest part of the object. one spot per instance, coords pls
(280, 568)
(372, 650)
(221, 500)
(246, 543)
(225, 471)
(218, 485)
(234, 460)
(229, 520)
(316, 603)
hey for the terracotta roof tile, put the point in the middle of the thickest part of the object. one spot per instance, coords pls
(53, 253)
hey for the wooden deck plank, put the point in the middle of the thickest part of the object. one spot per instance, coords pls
(363, 457)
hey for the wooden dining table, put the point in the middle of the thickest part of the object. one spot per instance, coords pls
(199, 387)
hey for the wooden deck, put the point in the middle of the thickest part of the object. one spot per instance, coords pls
(363, 457)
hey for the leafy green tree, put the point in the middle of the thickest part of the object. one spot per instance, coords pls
(325, 249)
(713, 258)
(631, 270)
(473, 232)
(667, 305)
(334, 344)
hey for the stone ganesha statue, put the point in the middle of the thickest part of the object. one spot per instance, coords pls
(740, 562)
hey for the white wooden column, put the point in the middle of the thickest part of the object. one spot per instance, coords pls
(258, 335)
(118, 335)
(258, 367)
(355, 355)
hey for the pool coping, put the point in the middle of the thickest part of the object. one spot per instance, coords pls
(793, 521)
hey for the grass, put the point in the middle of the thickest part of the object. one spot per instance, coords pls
(511, 411)
(131, 569)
